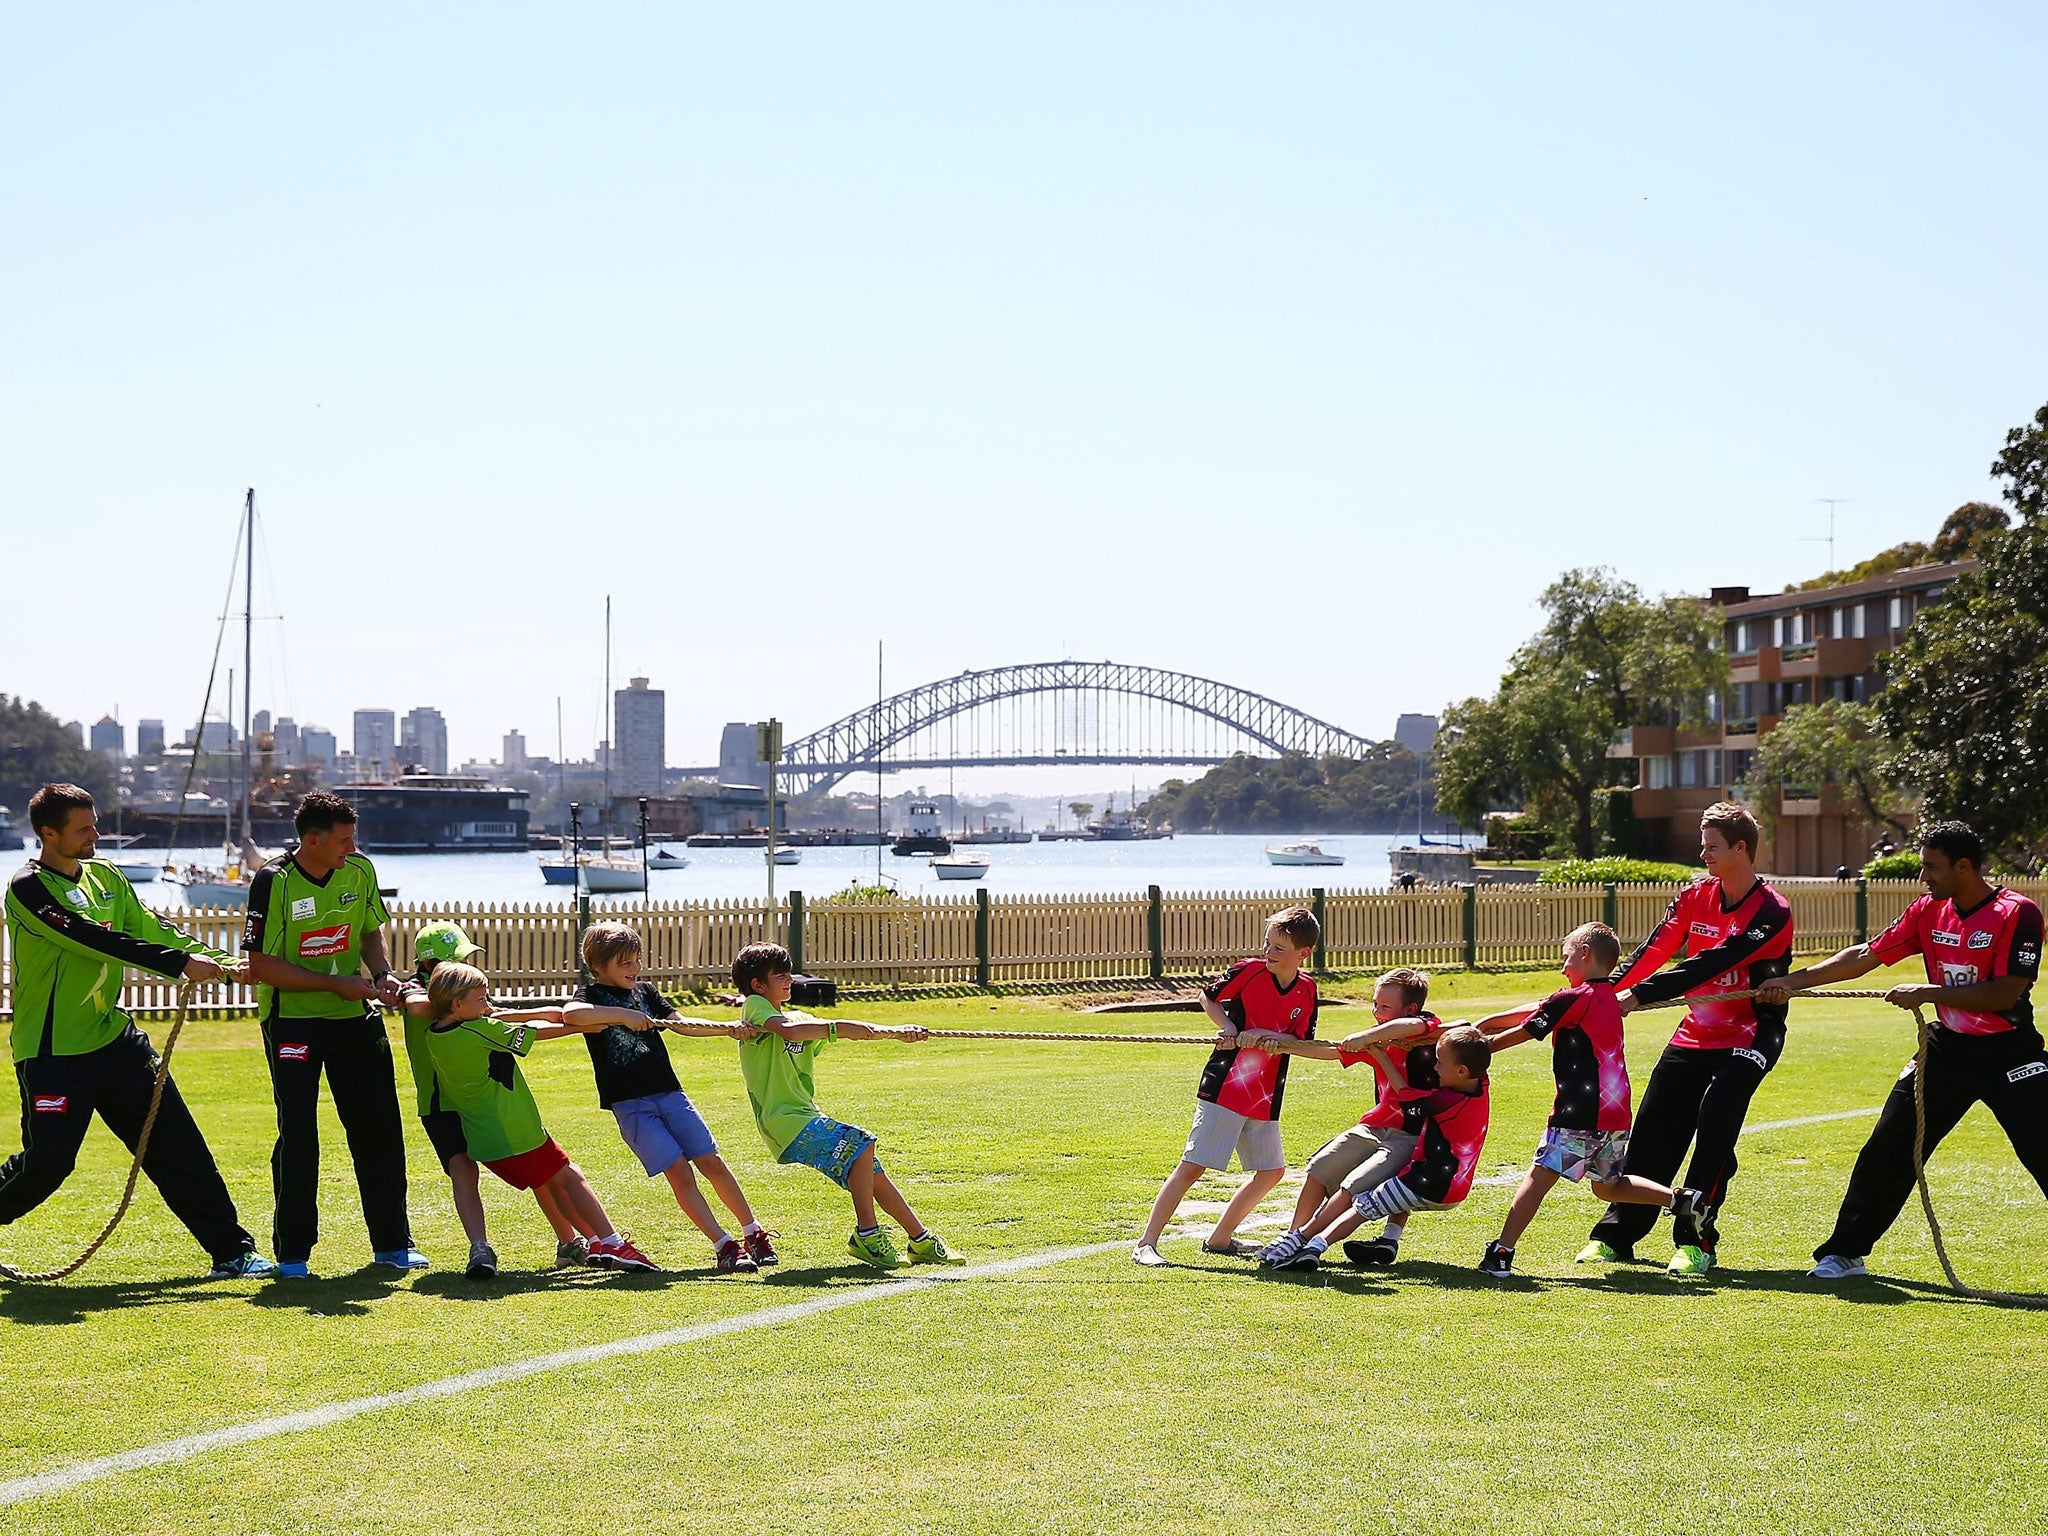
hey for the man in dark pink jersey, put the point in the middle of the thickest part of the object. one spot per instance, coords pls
(1981, 945)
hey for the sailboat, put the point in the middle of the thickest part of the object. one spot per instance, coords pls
(227, 885)
(604, 872)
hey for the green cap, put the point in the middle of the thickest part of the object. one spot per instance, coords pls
(442, 941)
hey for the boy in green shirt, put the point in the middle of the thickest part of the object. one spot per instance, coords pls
(476, 1064)
(780, 1065)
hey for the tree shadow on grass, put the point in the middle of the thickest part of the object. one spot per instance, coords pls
(61, 1303)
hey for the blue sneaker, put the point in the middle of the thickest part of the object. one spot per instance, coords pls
(400, 1259)
(244, 1266)
(298, 1271)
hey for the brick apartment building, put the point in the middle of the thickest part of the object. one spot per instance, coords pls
(1792, 648)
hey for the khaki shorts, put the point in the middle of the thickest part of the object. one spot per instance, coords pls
(1362, 1158)
(1218, 1132)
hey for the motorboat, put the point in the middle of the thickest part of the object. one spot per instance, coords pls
(227, 887)
(138, 871)
(1302, 853)
(960, 866)
(785, 855)
(666, 858)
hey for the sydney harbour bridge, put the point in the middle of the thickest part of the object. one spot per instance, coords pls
(1049, 713)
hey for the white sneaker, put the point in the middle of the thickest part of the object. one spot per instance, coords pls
(1277, 1253)
(1147, 1255)
(1835, 1267)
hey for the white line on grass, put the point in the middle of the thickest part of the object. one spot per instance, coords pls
(62, 1479)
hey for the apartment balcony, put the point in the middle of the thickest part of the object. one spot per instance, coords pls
(1829, 801)
(1693, 737)
(1759, 666)
(1842, 658)
(1664, 804)
(1800, 660)
(1739, 735)
(1643, 741)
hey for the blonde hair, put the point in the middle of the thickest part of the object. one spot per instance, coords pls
(1601, 941)
(605, 942)
(1413, 985)
(1465, 1045)
(451, 982)
(1736, 824)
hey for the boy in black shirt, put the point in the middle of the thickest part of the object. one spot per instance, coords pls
(637, 1083)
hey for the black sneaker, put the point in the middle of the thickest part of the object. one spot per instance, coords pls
(1373, 1253)
(1497, 1261)
(1308, 1256)
(1688, 1210)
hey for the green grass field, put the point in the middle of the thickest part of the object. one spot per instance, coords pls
(1085, 1395)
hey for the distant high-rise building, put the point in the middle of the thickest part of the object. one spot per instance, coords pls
(513, 753)
(1416, 732)
(316, 745)
(149, 738)
(641, 714)
(423, 739)
(217, 736)
(259, 722)
(285, 741)
(739, 760)
(109, 739)
(376, 742)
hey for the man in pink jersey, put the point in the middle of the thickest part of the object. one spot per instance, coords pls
(1981, 945)
(1735, 933)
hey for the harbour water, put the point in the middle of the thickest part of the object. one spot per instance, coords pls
(1191, 863)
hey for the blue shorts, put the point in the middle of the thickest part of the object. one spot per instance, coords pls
(830, 1146)
(664, 1129)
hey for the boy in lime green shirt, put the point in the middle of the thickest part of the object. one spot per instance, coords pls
(780, 1066)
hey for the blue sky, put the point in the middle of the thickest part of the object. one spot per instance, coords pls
(1297, 347)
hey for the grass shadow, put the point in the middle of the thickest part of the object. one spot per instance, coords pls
(60, 1304)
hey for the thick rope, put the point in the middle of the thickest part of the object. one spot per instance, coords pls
(156, 1098)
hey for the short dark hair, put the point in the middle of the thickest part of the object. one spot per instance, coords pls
(756, 963)
(605, 942)
(1953, 840)
(322, 812)
(1465, 1045)
(1298, 926)
(51, 806)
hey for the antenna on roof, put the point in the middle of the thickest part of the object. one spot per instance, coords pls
(1831, 502)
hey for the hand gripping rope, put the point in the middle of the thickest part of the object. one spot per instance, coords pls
(156, 1097)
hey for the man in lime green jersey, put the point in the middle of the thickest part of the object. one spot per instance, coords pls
(74, 925)
(316, 921)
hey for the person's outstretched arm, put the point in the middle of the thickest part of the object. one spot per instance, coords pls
(589, 1018)
(531, 1016)
(1842, 965)
(855, 1029)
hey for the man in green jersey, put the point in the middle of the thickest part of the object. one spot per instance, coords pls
(74, 925)
(316, 920)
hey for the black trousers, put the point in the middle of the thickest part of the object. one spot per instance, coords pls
(59, 1095)
(1697, 1098)
(356, 1056)
(2008, 1072)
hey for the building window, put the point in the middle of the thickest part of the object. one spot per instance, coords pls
(1901, 611)
(1657, 773)
(1715, 761)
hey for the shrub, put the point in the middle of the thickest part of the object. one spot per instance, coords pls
(1903, 865)
(1619, 871)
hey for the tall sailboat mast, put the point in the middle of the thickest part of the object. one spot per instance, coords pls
(248, 644)
(610, 725)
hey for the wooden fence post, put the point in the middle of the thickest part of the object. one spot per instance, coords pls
(1862, 910)
(1155, 929)
(1472, 927)
(796, 931)
(981, 937)
(1610, 908)
(582, 922)
(1319, 961)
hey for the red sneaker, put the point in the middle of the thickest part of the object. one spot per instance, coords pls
(734, 1260)
(760, 1250)
(619, 1253)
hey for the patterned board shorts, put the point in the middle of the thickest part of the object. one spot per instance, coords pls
(1576, 1155)
(830, 1146)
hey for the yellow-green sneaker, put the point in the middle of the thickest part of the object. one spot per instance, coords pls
(932, 1249)
(1689, 1260)
(1597, 1253)
(875, 1249)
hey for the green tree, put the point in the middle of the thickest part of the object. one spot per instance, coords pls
(1834, 742)
(2023, 466)
(1966, 703)
(1605, 658)
(1968, 531)
(36, 749)
(1080, 810)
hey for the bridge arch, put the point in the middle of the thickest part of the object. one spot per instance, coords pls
(875, 736)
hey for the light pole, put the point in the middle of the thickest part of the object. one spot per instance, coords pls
(768, 747)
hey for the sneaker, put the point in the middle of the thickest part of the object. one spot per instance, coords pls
(759, 1249)
(1837, 1267)
(1236, 1248)
(1373, 1253)
(1280, 1252)
(246, 1266)
(1688, 1210)
(302, 1270)
(932, 1249)
(618, 1252)
(1598, 1253)
(875, 1250)
(1689, 1259)
(1148, 1256)
(400, 1259)
(1497, 1261)
(733, 1259)
(483, 1261)
(1310, 1255)
(576, 1251)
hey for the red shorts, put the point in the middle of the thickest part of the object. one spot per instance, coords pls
(530, 1170)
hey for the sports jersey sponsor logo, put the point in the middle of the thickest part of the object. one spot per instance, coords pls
(291, 1051)
(318, 943)
(2031, 1069)
(1953, 975)
(1756, 932)
(76, 896)
(1756, 1057)
(2028, 955)
(1981, 939)
(349, 896)
(1294, 1015)
(1942, 936)
(1706, 930)
(51, 1103)
(304, 907)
